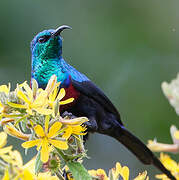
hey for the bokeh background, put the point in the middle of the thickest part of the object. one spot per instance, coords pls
(126, 47)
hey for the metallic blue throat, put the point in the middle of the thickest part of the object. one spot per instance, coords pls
(42, 70)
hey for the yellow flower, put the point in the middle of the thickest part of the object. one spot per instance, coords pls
(73, 126)
(25, 172)
(16, 159)
(46, 138)
(3, 139)
(34, 99)
(51, 84)
(116, 173)
(76, 130)
(4, 151)
(171, 165)
(176, 134)
(22, 175)
(142, 176)
(2, 109)
(30, 165)
(99, 173)
(5, 89)
(56, 97)
(30, 103)
(168, 162)
(17, 169)
(120, 171)
(39, 100)
(73, 122)
(30, 168)
(6, 175)
(11, 130)
(162, 147)
(6, 120)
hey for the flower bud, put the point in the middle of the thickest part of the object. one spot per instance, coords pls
(34, 87)
(51, 84)
(11, 130)
(56, 108)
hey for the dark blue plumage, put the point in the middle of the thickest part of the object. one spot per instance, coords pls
(90, 101)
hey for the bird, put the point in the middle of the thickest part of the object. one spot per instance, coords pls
(90, 101)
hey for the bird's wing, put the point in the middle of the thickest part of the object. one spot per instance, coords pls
(82, 84)
(92, 91)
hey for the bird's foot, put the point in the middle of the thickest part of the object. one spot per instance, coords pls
(91, 125)
(69, 115)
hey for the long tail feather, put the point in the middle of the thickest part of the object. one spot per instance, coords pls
(138, 148)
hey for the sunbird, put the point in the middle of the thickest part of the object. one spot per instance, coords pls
(90, 101)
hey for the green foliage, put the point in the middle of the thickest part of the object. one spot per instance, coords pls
(78, 171)
(38, 163)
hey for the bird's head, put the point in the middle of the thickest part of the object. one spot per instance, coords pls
(48, 43)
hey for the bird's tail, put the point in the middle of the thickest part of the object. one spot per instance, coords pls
(138, 148)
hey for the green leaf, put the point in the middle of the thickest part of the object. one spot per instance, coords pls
(20, 119)
(78, 171)
(24, 125)
(38, 163)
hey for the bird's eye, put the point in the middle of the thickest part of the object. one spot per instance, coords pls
(43, 39)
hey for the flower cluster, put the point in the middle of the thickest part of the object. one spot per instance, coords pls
(32, 114)
(171, 91)
(13, 168)
(12, 164)
(162, 147)
(116, 173)
(171, 165)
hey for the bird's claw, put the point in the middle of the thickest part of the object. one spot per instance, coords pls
(67, 114)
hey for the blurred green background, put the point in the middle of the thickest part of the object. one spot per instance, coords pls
(126, 47)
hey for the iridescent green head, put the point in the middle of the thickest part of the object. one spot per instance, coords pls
(48, 43)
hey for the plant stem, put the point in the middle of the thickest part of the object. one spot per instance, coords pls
(80, 145)
(65, 157)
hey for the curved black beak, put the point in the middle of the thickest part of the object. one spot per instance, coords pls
(60, 29)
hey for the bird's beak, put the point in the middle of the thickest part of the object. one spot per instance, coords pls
(60, 29)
